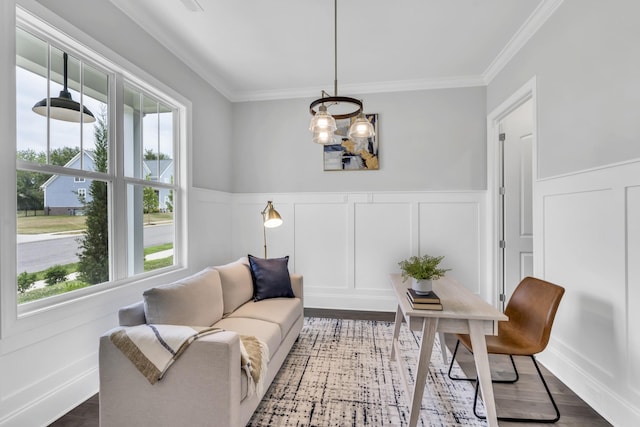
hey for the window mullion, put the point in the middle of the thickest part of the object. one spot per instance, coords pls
(118, 224)
(48, 103)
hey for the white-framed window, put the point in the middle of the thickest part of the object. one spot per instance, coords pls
(56, 152)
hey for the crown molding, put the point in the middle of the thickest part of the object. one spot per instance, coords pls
(191, 61)
(366, 88)
(531, 26)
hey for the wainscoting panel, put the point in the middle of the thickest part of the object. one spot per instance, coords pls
(581, 253)
(346, 244)
(633, 271)
(587, 239)
(210, 215)
(321, 244)
(382, 238)
(453, 230)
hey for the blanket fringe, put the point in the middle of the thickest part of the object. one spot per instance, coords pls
(255, 360)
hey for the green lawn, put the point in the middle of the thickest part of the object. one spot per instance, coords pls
(50, 224)
(69, 224)
(72, 285)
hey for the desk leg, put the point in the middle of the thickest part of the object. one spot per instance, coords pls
(443, 348)
(429, 326)
(396, 332)
(481, 360)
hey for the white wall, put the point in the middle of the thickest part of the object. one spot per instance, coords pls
(586, 63)
(346, 244)
(589, 228)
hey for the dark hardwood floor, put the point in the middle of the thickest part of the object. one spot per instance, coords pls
(526, 398)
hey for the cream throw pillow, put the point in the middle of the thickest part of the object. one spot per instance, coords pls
(193, 301)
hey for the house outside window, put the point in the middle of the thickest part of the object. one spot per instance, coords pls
(66, 168)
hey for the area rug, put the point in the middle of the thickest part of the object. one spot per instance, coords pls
(338, 373)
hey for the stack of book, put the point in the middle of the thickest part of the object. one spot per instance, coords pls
(429, 301)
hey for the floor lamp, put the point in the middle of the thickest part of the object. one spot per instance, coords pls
(270, 219)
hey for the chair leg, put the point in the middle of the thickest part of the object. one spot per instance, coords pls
(453, 357)
(523, 420)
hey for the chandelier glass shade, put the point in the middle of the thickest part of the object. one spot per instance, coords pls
(323, 124)
(361, 128)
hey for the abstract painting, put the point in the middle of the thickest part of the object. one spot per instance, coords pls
(352, 154)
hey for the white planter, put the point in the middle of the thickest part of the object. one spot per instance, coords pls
(422, 286)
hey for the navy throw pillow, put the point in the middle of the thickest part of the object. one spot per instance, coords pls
(270, 278)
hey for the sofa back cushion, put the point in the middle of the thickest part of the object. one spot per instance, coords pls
(237, 285)
(193, 301)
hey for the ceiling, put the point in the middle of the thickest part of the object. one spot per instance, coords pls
(261, 49)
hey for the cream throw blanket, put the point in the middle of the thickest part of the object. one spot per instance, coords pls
(154, 348)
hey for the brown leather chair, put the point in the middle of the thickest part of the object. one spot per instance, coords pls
(531, 311)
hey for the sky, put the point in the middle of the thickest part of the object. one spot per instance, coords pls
(32, 128)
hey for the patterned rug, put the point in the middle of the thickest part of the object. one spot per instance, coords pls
(338, 373)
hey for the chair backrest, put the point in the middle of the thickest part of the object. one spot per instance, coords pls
(532, 309)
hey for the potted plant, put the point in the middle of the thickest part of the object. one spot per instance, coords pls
(423, 270)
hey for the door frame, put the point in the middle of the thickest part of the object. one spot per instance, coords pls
(526, 92)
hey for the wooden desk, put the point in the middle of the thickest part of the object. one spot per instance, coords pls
(464, 312)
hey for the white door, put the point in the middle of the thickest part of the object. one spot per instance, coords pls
(517, 200)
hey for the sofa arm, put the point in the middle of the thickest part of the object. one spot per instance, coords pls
(202, 388)
(296, 285)
(132, 315)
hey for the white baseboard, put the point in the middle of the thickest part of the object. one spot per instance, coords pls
(346, 301)
(58, 401)
(613, 407)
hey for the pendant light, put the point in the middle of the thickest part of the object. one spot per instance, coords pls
(63, 107)
(361, 128)
(323, 124)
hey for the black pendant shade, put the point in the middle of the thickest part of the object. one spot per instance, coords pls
(64, 107)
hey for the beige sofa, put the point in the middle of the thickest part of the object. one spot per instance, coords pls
(206, 385)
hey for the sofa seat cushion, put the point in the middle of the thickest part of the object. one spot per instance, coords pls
(266, 332)
(282, 311)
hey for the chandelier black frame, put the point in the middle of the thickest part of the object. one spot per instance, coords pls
(335, 99)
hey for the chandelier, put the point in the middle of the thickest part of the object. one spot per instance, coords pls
(323, 124)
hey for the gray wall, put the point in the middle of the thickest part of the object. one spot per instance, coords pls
(587, 64)
(429, 140)
(211, 153)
